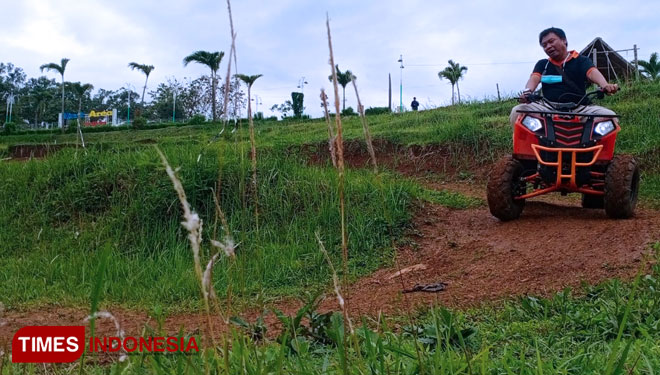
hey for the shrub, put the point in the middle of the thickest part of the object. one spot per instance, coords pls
(197, 120)
(139, 123)
(377, 111)
(348, 112)
(9, 128)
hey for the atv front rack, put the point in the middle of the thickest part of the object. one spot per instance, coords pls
(565, 181)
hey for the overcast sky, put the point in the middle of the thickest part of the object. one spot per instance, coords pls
(285, 40)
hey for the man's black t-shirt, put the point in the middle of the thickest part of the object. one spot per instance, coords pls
(575, 68)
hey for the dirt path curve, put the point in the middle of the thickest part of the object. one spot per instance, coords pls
(552, 246)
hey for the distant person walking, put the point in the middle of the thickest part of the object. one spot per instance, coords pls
(414, 104)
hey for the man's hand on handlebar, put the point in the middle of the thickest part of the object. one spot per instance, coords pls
(525, 96)
(610, 88)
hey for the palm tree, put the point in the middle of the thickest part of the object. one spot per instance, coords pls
(212, 60)
(651, 68)
(453, 73)
(60, 69)
(343, 79)
(80, 90)
(249, 81)
(146, 69)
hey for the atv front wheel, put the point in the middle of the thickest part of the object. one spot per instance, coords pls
(621, 187)
(503, 185)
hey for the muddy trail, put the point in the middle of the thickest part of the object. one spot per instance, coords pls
(462, 258)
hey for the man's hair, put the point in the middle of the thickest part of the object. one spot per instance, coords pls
(557, 31)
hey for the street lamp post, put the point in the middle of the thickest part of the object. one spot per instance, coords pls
(173, 106)
(257, 101)
(401, 85)
(301, 84)
(129, 90)
(7, 112)
(10, 106)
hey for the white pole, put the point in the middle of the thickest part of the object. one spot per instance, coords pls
(174, 107)
(401, 85)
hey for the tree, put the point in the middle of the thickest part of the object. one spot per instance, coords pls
(80, 91)
(297, 100)
(283, 108)
(11, 79)
(343, 79)
(37, 101)
(212, 60)
(162, 100)
(146, 69)
(60, 69)
(453, 73)
(651, 68)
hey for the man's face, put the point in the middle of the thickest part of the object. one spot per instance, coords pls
(554, 46)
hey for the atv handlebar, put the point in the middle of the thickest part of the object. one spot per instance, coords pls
(532, 97)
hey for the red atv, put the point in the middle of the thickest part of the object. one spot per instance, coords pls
(567, 153)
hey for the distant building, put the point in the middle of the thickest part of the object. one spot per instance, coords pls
(609, 62)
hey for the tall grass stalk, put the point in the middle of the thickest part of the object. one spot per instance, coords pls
(335, 281)
(339, 142)
(120, 331)
(340, 170)
(232, 53)
(193, 225)
(331, 133)
(365, 127)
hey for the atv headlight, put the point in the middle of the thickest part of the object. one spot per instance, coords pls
(604, 127)
(532, 123)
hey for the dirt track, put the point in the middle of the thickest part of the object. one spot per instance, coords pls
(553, 245)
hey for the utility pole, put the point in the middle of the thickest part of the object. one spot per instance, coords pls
(389, 97)
(636, 63)
(401, 85)
(498, 92)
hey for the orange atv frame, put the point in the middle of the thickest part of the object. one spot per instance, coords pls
(568, 129)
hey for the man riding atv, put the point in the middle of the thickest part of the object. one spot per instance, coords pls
(562, 143)
(564, 76)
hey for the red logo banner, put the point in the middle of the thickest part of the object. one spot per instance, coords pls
(53, 344)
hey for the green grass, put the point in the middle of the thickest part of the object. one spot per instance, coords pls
(62, 210)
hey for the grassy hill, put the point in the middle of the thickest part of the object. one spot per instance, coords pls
(58, 212)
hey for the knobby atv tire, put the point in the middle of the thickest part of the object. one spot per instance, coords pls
(621, 187)
(502, 185)
(593, 201)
